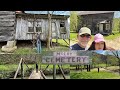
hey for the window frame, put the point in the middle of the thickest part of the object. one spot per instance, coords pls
(63, 27)
(34, 25)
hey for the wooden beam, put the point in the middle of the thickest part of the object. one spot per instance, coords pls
(43, 75)
(7, 12)
(7, 16)
(6, 23)
(18, 68)
(54, 72)
(62, 72)
(6, 29)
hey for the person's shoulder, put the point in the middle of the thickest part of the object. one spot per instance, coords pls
(76, 47)
(72, 47)
(109, 48)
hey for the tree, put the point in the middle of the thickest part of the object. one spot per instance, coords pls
(49, 29)
(116, 53)
(73, 21)
(79, 21)
(50, 13)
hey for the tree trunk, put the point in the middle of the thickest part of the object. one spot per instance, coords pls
(49, 30)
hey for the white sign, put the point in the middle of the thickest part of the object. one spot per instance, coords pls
(65, 59)
(73, 53)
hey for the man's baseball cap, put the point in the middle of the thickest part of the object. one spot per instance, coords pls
(99, 37)
(84, 30)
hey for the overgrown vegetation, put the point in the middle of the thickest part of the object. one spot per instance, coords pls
(93, 74)
(75, 21)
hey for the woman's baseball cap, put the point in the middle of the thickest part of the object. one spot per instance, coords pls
(84, 30)
(99, 37)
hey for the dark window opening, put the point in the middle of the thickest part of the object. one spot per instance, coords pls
(108, 26)
(104, 26)
(62, 24)
(62, 28)
(30, 26)
(38, 29)
(30, 29)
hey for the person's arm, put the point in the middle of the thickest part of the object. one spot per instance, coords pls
(109, 48)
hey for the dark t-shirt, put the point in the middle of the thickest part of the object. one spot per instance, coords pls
(76, 47)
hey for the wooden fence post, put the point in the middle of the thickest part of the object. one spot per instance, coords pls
(54, 71)
(22, 71)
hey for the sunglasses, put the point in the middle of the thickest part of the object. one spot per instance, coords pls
(85, 35)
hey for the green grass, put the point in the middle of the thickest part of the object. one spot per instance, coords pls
(61, 42)
(93, 74)
(51, 66)
(100, 65)
(12, 67)
(9, 67)
(34, 51)
(25, 51)
(111, 37)
(73, 35)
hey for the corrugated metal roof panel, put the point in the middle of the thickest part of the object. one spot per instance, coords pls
(45, 12)
(92, 12)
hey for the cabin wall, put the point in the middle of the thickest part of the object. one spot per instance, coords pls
(67, 34)
(7, 25)
(22, 28)
(92, 20)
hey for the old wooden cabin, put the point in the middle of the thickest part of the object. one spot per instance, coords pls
(24, 26)
(97, 21)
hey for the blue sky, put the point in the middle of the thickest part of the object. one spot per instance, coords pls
(117, 14)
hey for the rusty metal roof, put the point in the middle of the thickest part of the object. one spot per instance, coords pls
(93, 12)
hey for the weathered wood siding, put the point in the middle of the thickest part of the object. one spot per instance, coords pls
(92, 20)
(22, 27)
(7, 25)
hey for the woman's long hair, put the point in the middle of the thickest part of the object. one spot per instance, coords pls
(92, 46)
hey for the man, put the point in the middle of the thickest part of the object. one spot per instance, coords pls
(38, 43)
(84, 36)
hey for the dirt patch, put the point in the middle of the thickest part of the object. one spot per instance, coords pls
(114, 43)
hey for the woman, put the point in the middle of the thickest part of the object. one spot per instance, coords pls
(99, 43)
